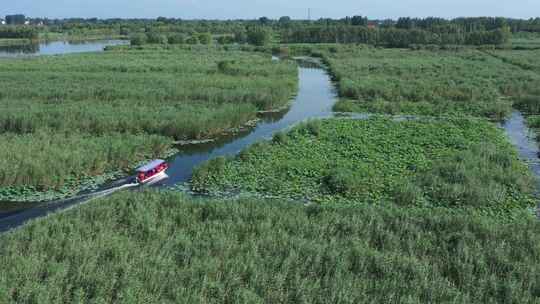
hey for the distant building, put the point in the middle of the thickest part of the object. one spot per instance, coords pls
(2, 22)
(27, 22)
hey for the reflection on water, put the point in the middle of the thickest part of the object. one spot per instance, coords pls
(57, 48)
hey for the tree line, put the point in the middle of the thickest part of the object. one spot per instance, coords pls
(469, 24)
(354, 29)
(393, 37)
(389, 37)
(18, 32)
(464, 24)
(256, 35)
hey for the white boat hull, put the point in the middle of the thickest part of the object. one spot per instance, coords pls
(155, 179)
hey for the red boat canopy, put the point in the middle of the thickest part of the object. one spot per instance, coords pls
(151, 165)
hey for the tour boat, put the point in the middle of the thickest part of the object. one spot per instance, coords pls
(154, 170)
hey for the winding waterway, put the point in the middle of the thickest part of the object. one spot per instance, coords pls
(315, 99)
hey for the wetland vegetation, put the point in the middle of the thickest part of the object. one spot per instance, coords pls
(455, 163)
(166, 248)
(91, 114)
(461, 81)
(433, 207)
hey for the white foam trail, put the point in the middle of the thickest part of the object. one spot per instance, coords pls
(157, 179)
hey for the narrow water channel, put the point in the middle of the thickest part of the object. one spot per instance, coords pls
(525, 142)
(315, 99)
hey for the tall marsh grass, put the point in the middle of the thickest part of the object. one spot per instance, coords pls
(438, 83)
(138, 87)
(46, 160)
(63, 117)
(164, 248)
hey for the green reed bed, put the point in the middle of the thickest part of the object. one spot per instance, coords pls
(37, 165)
(175, 120)
(436, 82)
(67, 118)
(525, 41)
(155, 247)
(457, 163)
(526, 59)
(526, 44)
(140, 82)
(526, 94)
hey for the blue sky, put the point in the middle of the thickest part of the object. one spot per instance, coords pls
(231, 9)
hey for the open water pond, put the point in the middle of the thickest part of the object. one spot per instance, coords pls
(57, 48)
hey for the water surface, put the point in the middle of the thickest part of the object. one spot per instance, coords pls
(524, 139)
(315, 99)
(57, 48)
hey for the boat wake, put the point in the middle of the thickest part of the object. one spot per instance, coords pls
(18, 219)
(315, 98)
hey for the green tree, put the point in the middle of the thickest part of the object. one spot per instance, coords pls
(359, 21)
(258, 36)
(504, 34)
(264, 21)
(139, 39)
(226, 39)
(157, 38)
(205, 38)
(285, 21)
(176, 38)
(162, 19)
(193, 39)
(405, 23)
(240, 36)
